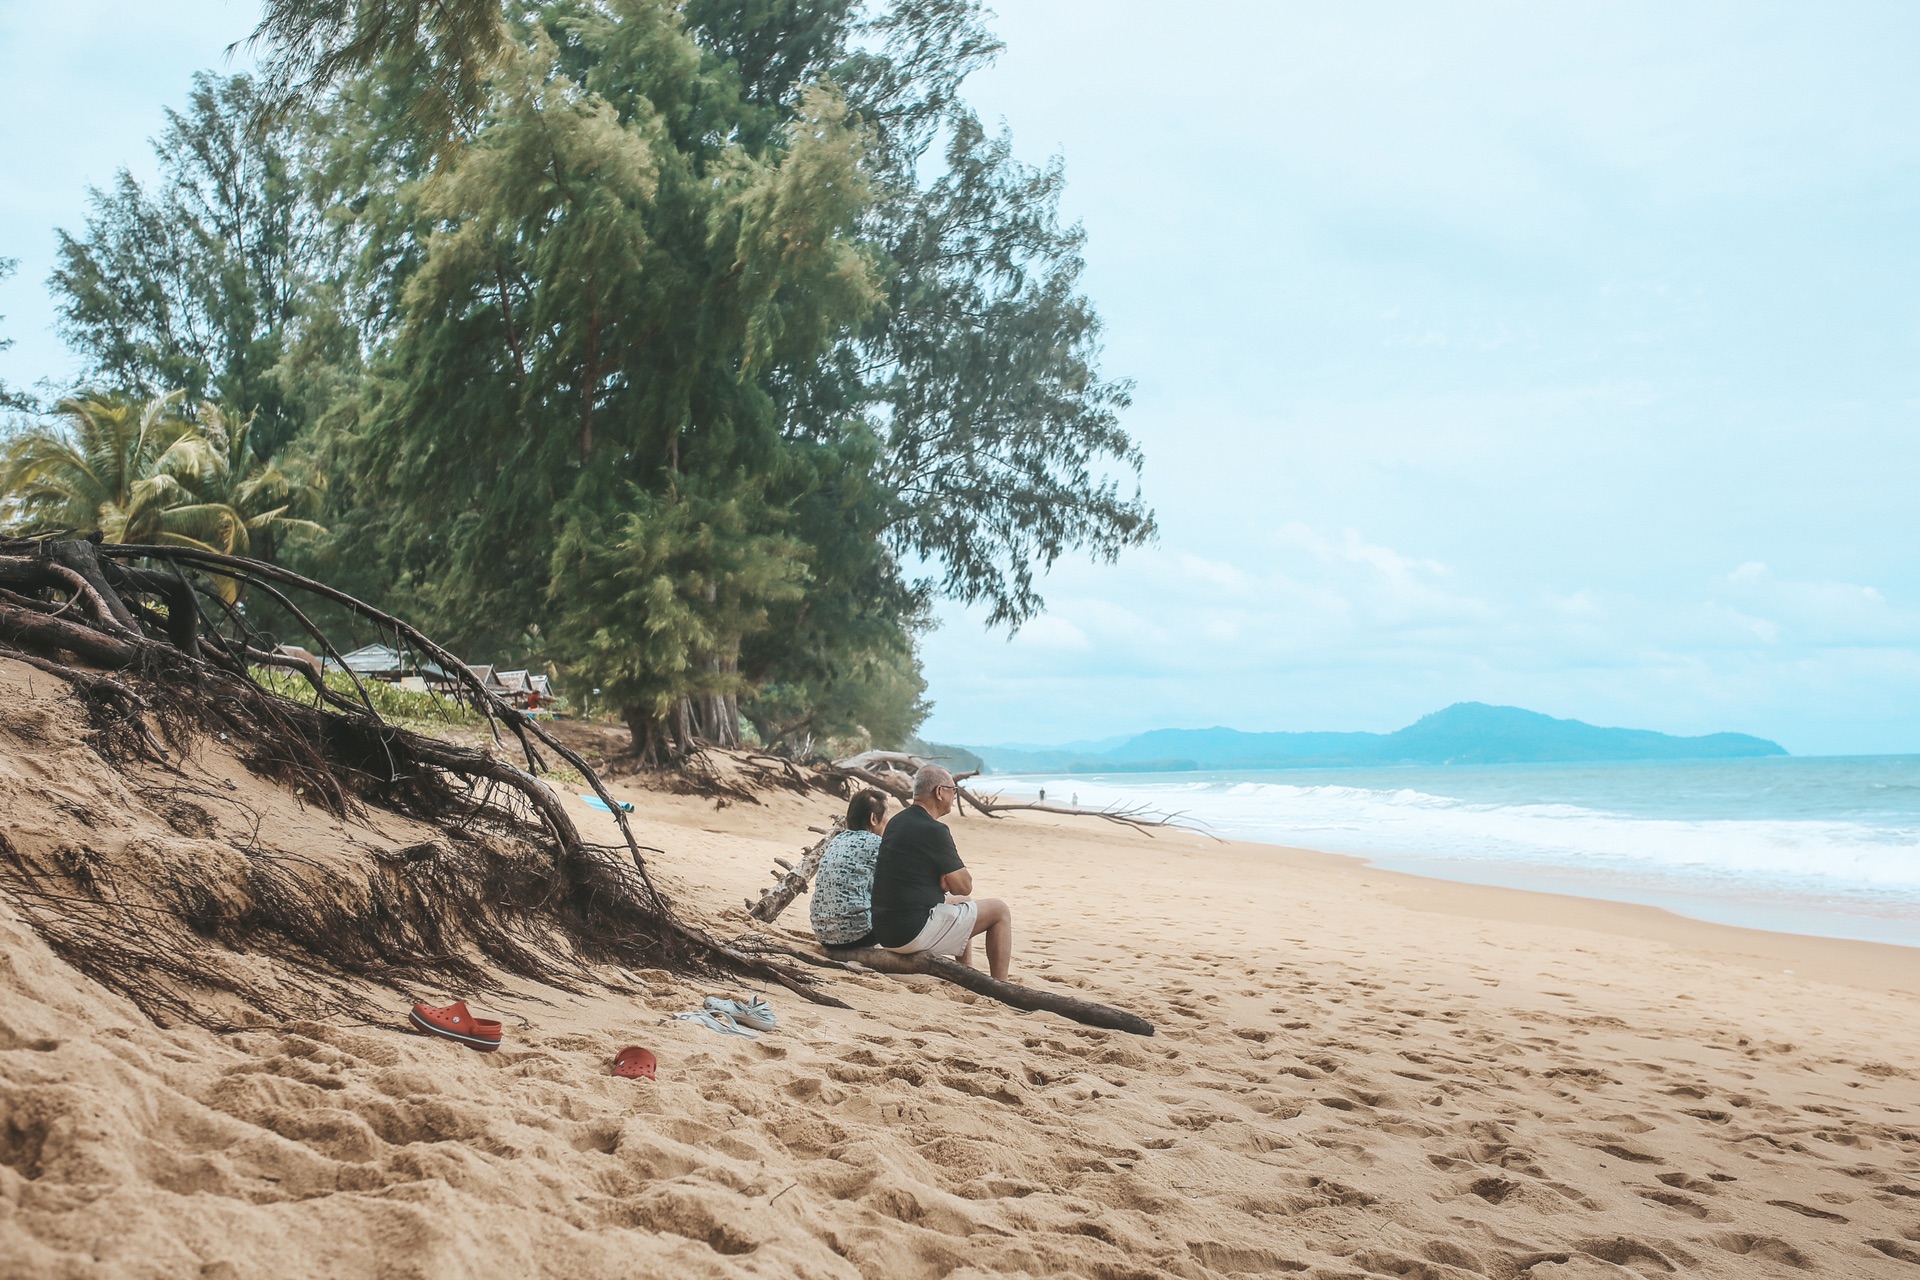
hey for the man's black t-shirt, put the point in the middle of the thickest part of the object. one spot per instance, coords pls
(915, 851)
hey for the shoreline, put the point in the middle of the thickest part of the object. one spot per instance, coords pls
(1849, 961)
(1353, 1071)
(1823, 871)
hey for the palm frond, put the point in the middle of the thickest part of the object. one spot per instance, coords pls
(143, 472)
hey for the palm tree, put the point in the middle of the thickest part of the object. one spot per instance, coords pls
(240, 503)
(139, 472)
(99, 467)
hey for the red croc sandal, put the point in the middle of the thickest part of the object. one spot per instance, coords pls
(633, 1062)
(455, 1023)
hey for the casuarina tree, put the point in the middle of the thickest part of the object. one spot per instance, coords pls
(707, 344)
(196, 284)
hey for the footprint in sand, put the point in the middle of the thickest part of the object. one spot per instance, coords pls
(1766, 1248)
(1894, 1249)
(1806, 1211)
(1685, 1204)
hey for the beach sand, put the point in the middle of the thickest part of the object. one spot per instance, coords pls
(1356, 1073)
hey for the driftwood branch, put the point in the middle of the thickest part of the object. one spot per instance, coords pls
(899, 786)
(794, 883)
(882, 761)
(992, 806)
(1010, 993)
(892, 772)
(760, 944)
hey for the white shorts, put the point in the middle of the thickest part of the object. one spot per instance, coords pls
(948, 929)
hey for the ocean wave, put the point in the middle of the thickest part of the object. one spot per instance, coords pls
(1815, 855)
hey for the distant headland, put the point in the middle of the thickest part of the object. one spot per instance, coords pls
(1466, 733)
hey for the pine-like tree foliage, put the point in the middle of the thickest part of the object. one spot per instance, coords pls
(657, 604)
(1001, 435)
(445, 48)
(196, 286)
(9, 397)
(590, 327)
(688, 324)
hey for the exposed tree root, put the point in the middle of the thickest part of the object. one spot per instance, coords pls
(156, 657)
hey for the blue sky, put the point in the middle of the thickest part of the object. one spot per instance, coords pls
(1562, 356)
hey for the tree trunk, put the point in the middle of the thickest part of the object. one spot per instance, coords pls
(729, 702)
(723, 725)
(724, 707)
(655, 743)
(683, 729)
(1032, 999)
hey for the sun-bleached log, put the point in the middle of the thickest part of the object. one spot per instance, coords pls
(1010, 993)
(794, 881)
(896, 784)
(881, 761)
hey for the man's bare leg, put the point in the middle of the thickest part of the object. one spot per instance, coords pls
(995, 919)
(966, 952)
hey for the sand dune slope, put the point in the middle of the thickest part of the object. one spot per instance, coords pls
(1345, 1083)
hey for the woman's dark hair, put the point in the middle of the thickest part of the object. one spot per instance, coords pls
(864, 808)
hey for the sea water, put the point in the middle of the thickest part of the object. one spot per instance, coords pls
(1816, 845)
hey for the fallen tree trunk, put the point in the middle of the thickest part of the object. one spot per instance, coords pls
(1010, 993)
(898, 786)
(872, 760)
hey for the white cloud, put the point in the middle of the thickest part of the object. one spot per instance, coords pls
(1812, 611)
(1052, 632)
(1351, 547)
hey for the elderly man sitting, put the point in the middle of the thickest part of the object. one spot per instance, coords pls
(921, 888)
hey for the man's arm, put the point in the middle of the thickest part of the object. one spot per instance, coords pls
(959, 883)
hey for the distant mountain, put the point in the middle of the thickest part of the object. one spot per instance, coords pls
(1465, 733)
(958, 759)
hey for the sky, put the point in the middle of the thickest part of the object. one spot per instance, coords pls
(1561, 356)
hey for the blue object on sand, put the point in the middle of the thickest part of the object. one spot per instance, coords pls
(595, 802)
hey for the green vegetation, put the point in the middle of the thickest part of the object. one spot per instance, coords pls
(10, 398)
(689, 348)
(139, 472)
(198, 286)
(405, 707)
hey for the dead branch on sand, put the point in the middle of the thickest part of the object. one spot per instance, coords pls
(793, 880)
(877, 960)
(1009, 993)
(892, 772)
(1136, 817)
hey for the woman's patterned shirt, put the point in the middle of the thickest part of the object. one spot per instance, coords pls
(842, 907)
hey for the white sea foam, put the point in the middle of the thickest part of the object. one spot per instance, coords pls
(1873, 860)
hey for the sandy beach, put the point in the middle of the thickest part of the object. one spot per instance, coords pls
(1355, 1073)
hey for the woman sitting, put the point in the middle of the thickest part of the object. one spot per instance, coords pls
(842, 907)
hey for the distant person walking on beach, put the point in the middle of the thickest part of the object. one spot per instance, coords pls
(921, 888)
(841, 911)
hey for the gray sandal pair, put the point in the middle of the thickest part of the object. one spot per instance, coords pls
(726, 1016)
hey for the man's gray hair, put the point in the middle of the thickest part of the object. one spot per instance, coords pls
(930, 778)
